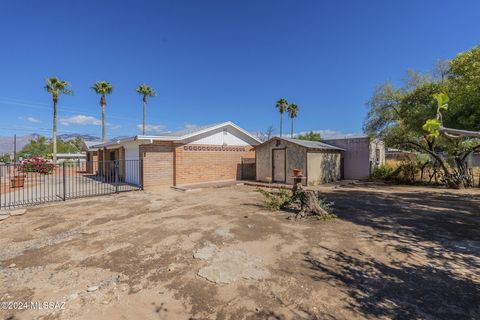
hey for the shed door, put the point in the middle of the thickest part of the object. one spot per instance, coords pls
(278, 164)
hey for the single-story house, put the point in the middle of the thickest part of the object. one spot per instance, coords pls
(69, 157)
(360, 156)
(88, 147)
(210, 153)
(277, 158)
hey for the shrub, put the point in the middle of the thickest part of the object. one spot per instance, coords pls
(276, 200)
(36, 164)
(382, 172)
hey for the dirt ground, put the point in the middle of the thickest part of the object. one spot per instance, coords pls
(393, 253)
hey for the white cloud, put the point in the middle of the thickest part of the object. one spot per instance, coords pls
(190, 126)
(80, 120)
(84, 120)
(34, 120)
(333, 134)
(152, 128)
(30, 119)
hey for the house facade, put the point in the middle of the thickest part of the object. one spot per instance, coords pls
(203, 154)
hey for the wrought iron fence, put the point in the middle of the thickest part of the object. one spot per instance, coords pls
(32, 184)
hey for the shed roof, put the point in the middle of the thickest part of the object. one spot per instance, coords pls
(309, 144)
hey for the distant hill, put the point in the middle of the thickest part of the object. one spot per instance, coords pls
(6, 143)
(86, 137)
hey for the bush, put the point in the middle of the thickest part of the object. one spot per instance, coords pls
(36, 164)
(382, 172)
(276, 200)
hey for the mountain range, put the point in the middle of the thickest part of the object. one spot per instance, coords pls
(6, 142)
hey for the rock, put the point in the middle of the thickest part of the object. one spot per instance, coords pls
(92, 289)
(4, 216)
(73, 296)
(224, 233)
(18, 212)
(13, 265)
(136, 288)
(205, 253)
(230, 265)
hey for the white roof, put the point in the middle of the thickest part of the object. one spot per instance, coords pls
(182, 135)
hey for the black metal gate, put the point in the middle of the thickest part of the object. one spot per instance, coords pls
(248, 169)
(35, 182)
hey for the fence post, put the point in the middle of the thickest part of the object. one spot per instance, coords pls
(64, 182)
(140, 169)
(115, 172)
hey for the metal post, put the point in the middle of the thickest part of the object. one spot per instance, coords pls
(64, 183)
(140, 169)
(115, 172)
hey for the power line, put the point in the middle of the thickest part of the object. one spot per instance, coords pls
(39, 105)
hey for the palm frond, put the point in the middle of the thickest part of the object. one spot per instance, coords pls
(292, 110)
(102, 87)
(282, 105)
(55, 86)
(146, 90)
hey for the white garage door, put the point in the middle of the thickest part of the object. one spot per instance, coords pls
(132, 165)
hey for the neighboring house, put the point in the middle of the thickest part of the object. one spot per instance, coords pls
(92, 155)
(197, 155)
(360, 157)
(398, 155)
(278, 157)
(77, 157)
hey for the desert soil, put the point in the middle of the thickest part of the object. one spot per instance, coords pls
(393, 253)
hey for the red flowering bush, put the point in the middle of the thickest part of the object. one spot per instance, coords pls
(36, 164)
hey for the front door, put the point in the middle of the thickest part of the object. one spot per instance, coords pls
(278, 164)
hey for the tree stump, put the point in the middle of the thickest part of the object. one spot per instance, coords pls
(309, 205)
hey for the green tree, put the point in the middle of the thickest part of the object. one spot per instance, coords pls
(292, 112)
(310, 136)
(282, 106)
(103, 88)
(40, 147)
(411, 116)
(56, 87)
(145, 91)
(5, 158)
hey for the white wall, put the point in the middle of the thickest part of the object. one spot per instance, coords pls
(230, 137)
(132, 168)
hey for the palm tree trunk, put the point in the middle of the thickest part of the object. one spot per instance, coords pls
(144, 113)
(104, 137)
(291, 131)
(281, 120)
(54, 131)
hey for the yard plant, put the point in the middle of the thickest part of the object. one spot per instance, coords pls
(411, 117)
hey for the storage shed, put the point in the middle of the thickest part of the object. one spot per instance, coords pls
(278, 157)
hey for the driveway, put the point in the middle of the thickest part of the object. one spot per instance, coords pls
(393, 252)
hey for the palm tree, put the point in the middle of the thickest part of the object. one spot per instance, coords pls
(56, 87)
(145, 91)
(103, 88)
(281, 105)
(292, 111)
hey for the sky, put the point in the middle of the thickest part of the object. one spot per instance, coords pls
(215, 61)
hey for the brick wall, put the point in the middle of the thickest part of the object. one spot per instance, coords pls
(158, 164)
(207, 163)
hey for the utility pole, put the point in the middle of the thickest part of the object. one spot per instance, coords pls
(14, 148)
